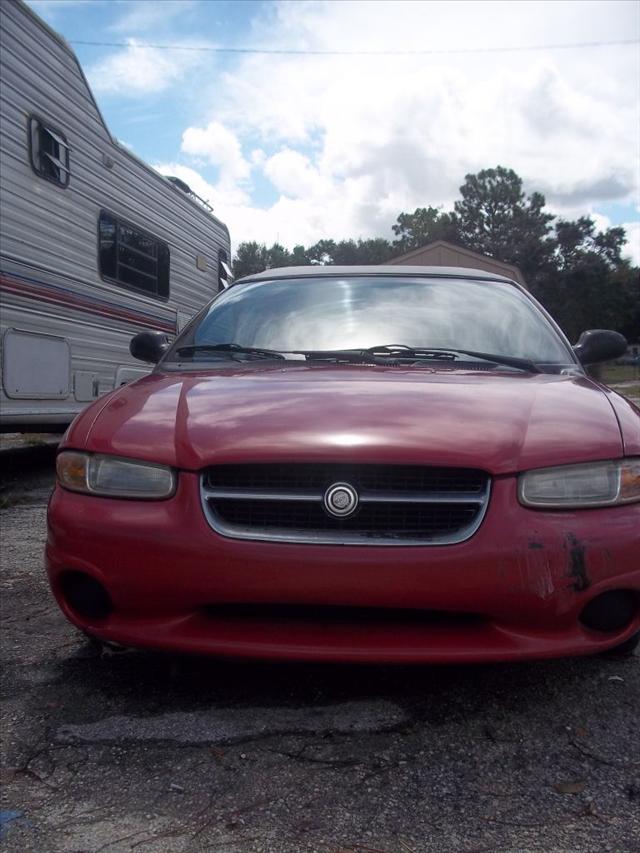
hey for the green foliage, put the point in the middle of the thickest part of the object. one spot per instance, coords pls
(250, 258)
(496, 218)
(375, 251)
(322, 253)
(299, 257)
(278, 256)
(578, 275)
(589, 284)
(256, 257)
(424, 225)
(621, 292)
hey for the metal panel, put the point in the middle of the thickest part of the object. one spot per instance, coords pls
(85, 385)
(129, 374)
(35, 366)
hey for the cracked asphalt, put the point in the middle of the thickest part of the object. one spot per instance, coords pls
(146, 752)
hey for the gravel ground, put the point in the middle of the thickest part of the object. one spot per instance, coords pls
(144, 752)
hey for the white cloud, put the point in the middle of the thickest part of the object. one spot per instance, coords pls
(138, 70)
(349, 142)
(230, 203)
(292, 174)
(218, 145)
(245, 220)
(632, 249)
(144, 15)
(258, 157)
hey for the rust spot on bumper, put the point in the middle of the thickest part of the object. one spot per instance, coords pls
(577, 564)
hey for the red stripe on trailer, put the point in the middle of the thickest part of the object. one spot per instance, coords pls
(49, 293)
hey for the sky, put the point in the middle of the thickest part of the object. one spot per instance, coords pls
(298, 147)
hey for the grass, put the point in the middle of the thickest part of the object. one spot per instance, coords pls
(623, 378)
(631, 391)
(613, 374)
(34, 440)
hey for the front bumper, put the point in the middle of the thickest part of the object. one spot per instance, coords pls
(525, 577)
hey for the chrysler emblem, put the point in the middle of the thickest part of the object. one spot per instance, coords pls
(340, 500)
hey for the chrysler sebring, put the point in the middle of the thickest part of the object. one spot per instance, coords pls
(357, 463)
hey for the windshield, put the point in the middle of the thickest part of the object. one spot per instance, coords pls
(325, 313)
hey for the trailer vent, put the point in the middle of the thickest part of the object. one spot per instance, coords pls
(225, 276)
(49, 152)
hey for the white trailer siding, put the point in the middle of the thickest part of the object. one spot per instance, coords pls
(49, 276)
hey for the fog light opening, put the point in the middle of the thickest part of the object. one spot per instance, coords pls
(611, 611)
(85, 595)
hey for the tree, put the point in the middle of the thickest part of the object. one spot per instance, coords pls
(609, 244)
(250, 258)
(571, 238)
(424, 225)
(322, 252)
(346, 253)
(299, 257)
(255, 257)
(278, 256)
(590, 284)
(590, 295)
(373, 251)
(578, 242)
(350, 252)
(496, 218)
(624, 293)
(377, 250)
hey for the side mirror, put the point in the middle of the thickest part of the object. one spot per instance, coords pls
(599, 345)
(149, 346)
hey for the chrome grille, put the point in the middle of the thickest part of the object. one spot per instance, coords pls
(398, 504)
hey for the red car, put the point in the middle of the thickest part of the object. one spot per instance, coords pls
(362, 464)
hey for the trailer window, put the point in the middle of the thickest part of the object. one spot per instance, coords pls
(132, 257)
(49, 152)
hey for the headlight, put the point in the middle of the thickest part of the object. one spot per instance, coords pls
(588, 485)
(111, 476)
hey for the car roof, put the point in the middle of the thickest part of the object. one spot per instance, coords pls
(398, 270)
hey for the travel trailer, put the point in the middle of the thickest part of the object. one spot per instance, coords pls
(95, 245)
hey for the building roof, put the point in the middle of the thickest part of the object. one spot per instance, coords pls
(380, 270)
(465, 255)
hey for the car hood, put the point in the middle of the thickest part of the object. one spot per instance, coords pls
(500, 422)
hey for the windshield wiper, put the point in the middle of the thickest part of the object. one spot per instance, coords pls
(435, 353)
(349, 356)
(231, 348)
(393, 352)
(372, 355)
